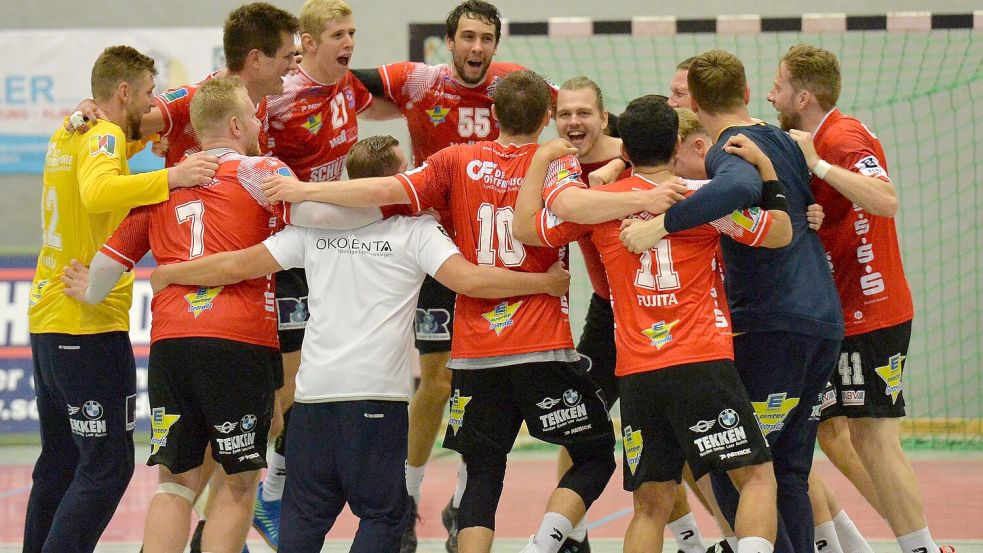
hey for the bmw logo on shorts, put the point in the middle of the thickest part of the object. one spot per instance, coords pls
(728, 418)
(571, 397)
(92, 409)
(248, 422)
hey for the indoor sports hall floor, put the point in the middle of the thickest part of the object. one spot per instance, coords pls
(951, 483)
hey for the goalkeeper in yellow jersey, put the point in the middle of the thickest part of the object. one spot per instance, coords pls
(84, 373)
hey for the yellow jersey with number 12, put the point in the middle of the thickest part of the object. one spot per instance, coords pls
(87, 192)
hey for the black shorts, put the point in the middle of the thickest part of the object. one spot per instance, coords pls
(697, 413)
(867, 381)
(434, 317)
(559, 404)
(596, 347)
(291, 308)
(210, 390)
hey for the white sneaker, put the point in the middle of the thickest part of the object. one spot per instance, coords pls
(531, 547)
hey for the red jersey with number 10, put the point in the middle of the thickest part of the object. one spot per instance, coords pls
(229, 214)
(313, 125)
(479, 184)
(862, 248)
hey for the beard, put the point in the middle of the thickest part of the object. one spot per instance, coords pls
(789, 121)
(462, 66)
(252, 149)
(133, 121)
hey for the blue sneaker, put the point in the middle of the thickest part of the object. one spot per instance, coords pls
(266, 519)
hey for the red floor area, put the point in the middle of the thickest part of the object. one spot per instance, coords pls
(952, 490)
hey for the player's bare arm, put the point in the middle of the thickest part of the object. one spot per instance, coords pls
(381, 109)
(370, 192)
(151, 123)
(464, 277)
(530, 198)
(217, 269)
(638, 235)
(607, 174)
(874, 195)
(194, 170)
(589, 207)
(815, 216)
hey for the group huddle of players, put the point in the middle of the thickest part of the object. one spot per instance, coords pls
(730, 314)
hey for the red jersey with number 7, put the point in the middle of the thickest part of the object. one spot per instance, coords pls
(479, 184)
(229, 214)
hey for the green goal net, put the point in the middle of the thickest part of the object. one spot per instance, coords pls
(921, 93)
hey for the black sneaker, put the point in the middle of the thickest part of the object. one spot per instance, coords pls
(571, 546)
(407, 543)
(449, 517)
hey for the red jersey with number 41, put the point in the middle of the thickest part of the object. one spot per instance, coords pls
(862, 248)
(669, 302)
(229, 214)
(479, 184)
(182, 140)
(313, 125)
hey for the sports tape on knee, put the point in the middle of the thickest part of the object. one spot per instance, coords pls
(176, 489)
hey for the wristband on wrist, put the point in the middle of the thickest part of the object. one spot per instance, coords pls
(773, 196)
(822, 167)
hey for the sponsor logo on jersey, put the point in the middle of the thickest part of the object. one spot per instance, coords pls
(458, 405)
(660, 333)
(102, 144)
(728, 418)
(160, 426)
(94, 426)
(720, 441)
(870, 167)
(548, 403)
(202, 299)
(284, 172)
(313, 123)
(571, 397)
(437, 114)
(92, 410)
(771, 413)
(633, 448)
(173, 95)
(891, 375)
(854, 397)
(248, 422)
(227, 426)
(500, 318)
(292, 313)
(748, 219)
(431, 324)
(350, 97)
(561, 418)
(72, 410)
(703, 426)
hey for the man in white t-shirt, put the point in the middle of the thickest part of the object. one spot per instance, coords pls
(347, 436)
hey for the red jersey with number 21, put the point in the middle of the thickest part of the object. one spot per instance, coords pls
(229, 214)
(479, 184)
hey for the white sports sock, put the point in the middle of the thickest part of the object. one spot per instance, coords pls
(918, 541)
(462, 483)
(826, 540)
(414, 479)
(851, 541)
(754, 544)
(687, 533)
(732, 542)
(579, 531)
(276, 475)
(552, 532)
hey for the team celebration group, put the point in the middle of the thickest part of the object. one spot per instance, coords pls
(748, 298)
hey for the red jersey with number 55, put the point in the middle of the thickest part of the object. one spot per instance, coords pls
(313, 125)
(182, 140)
(862, 248)
(229, 214)
(479, 184)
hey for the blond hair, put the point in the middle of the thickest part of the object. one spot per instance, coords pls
(316, 13)
(717, 82)
(689, 124)
(215, 102)
(580, 83)
(816, 70)
(115, 65)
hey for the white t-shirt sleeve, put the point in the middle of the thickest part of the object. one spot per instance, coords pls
(288, 246)
(430, 244)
